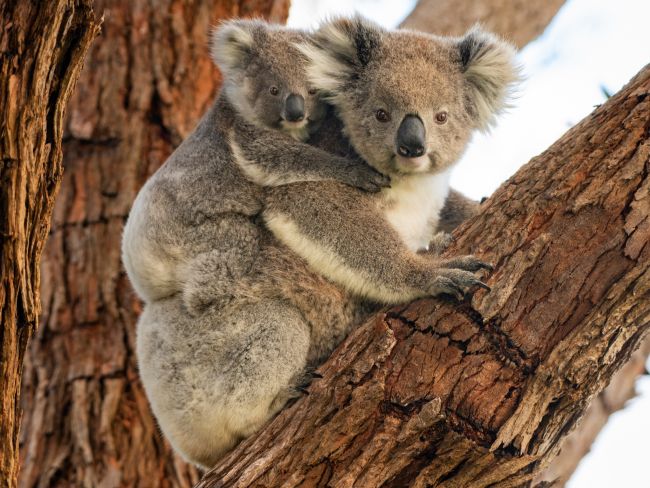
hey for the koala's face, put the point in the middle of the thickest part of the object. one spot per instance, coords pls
(406, 113)
(410, 101)
(265, 76)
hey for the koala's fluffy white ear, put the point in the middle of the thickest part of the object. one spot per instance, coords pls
(232, 43)
(339, 50)
(489, 66)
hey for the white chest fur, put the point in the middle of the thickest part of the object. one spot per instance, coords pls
(413, 205)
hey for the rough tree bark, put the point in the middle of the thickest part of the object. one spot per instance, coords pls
(520, 21)
(478, 394)
(147, 80)
(42, 47)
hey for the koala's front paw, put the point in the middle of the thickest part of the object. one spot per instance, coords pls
(456, 276)
(366, 178)
(467, 263)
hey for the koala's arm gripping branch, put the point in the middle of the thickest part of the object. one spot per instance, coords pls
(481, 394)
(271, 158)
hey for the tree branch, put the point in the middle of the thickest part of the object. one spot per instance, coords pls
(520, 21)
(481, 393)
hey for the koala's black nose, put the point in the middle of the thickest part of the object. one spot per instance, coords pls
(411, 137)
(294, 108)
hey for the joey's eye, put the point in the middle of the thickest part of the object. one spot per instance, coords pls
(441, 117)
(312, 91)
(274, 90)
(382, 116)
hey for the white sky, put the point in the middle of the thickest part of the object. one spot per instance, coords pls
(590, 44)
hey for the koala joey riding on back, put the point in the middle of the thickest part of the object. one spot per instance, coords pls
(266, 101)
(264, 77)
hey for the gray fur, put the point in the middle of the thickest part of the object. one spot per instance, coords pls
(458, 208)
(234, 318)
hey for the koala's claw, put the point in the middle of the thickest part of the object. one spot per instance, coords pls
(467, 263)
(480, 284)
(444, 285)
(304, 380)
(302, 390)
(368, 179)
(369, 187)
(456, 282)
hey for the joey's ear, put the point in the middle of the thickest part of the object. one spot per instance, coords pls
(339, 50)
(491, 72)
(233, 43)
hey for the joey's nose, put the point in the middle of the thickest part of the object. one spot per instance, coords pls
(410, 139)
(294, 108)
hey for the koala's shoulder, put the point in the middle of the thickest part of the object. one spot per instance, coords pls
(201, 174)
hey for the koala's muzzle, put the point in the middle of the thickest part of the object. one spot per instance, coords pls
(294, 108)
(411, 137)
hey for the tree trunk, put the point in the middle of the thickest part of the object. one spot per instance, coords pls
(478, 394)
(42, 47)
(520, 21)
(147, 80)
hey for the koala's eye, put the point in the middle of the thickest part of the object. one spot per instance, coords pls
(274, 90)
(441, 117)
(312, 91)
(382, 116)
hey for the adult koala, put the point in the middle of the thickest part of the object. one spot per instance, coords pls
(215, 375)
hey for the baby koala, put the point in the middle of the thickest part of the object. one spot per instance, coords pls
(198, 207)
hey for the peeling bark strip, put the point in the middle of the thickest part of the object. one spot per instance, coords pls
(577, 444)
(436, 394)
(147, 80)
(42, 47)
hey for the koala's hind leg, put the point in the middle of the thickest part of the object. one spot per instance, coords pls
(458, 208)
(209, 278)
(216, 378)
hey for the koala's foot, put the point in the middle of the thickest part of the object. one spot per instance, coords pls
(456, 276)
(440, 242)
(362, 176)
(305, 380)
